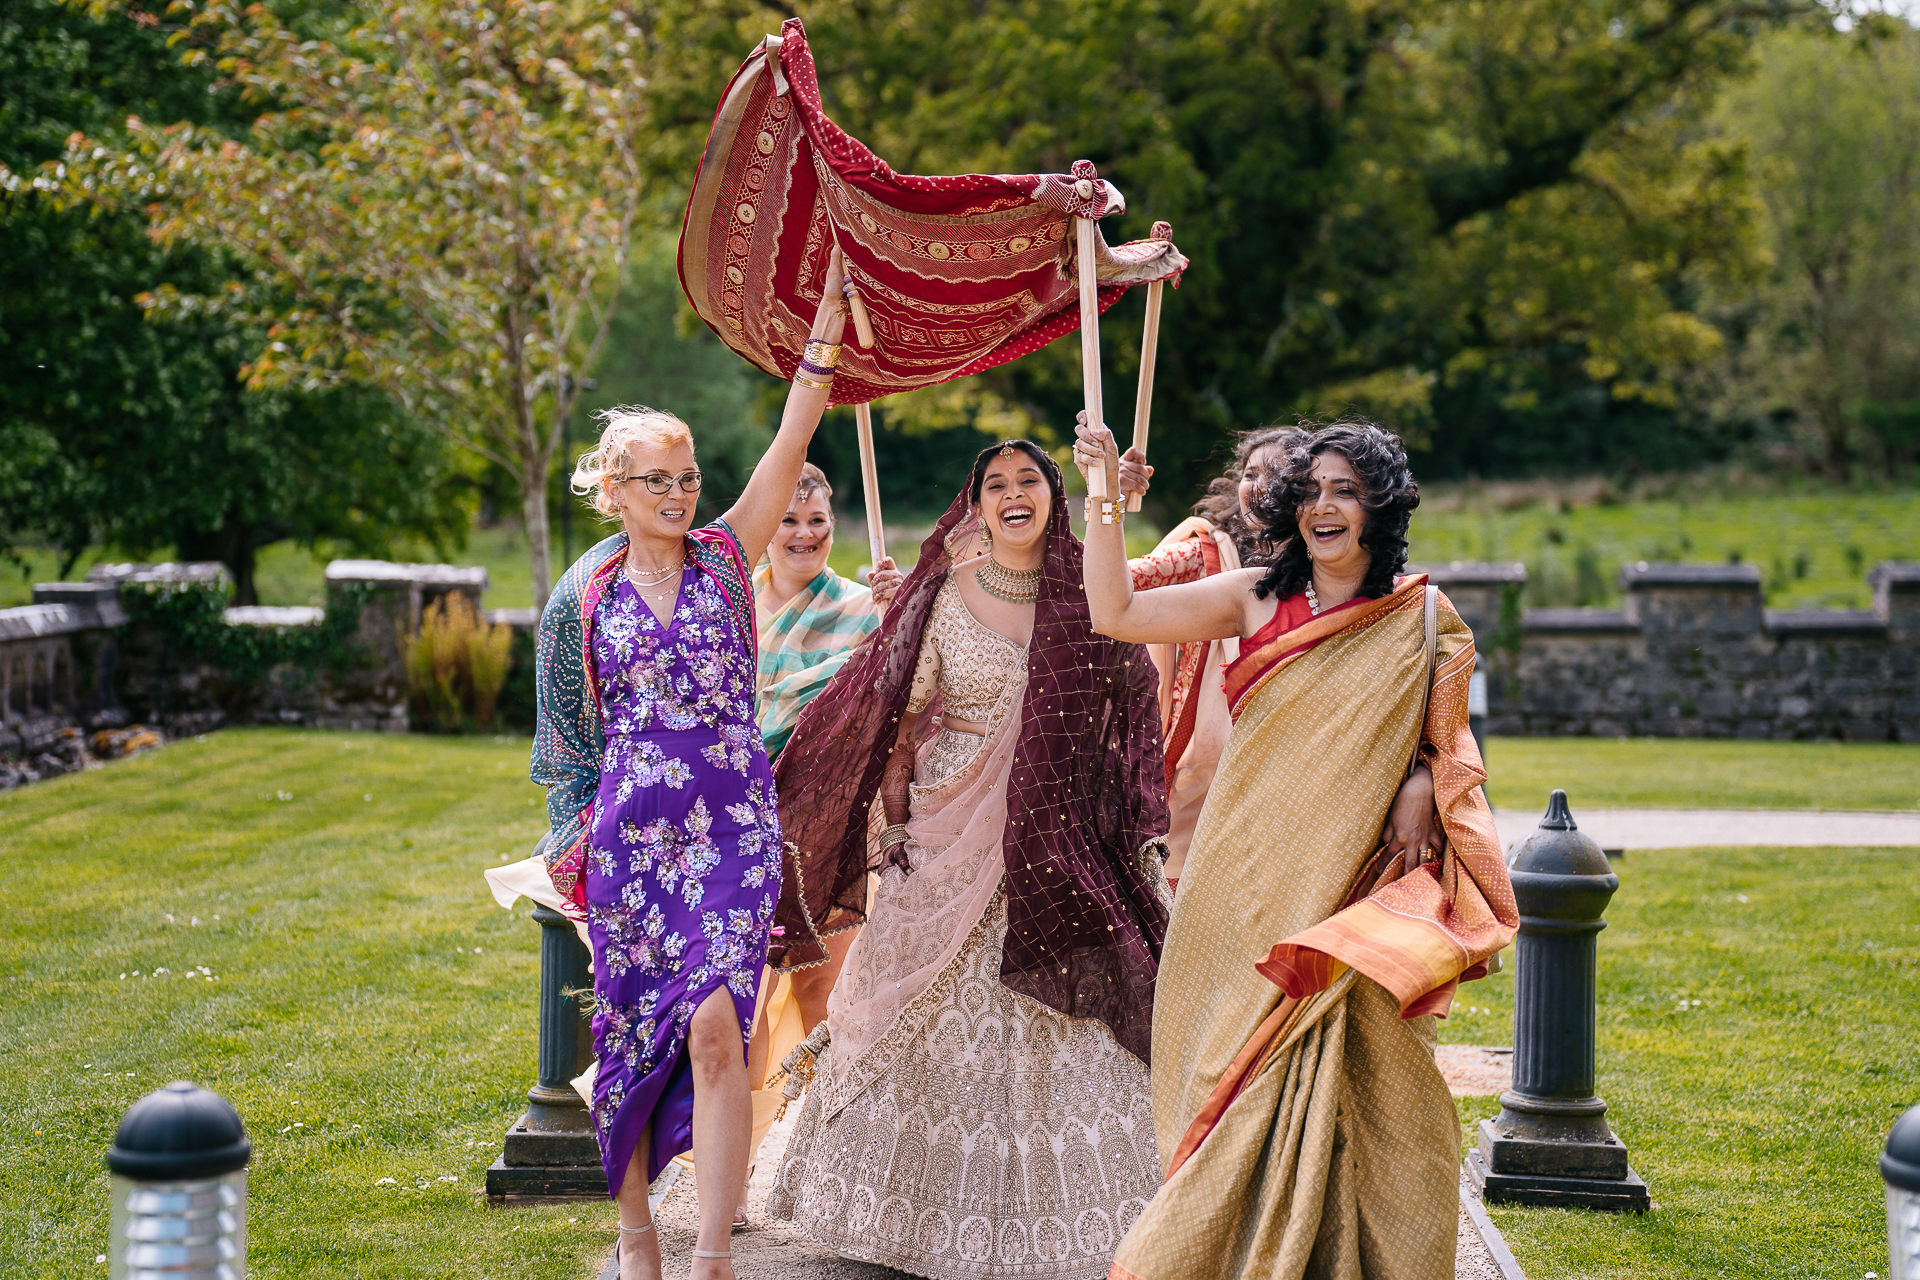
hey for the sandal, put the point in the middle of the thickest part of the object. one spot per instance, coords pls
(626, 1231)
(740, 1215)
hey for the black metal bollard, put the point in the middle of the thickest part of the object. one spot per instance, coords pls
(1900, 1169)
(1550, 1144)
(179, 1165)
(566, 1039)
(551, 1152)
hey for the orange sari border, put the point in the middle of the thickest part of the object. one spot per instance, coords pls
(1251, 671)
(1421, 934)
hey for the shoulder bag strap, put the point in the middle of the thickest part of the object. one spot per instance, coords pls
(1432, 629)
(1426, 688)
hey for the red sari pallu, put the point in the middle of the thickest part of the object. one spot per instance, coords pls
(959, 274)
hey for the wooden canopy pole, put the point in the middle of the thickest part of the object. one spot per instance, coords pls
(1149, 351)
(1090, 349)
(870, 482)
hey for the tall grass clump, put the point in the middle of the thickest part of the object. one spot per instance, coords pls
(456, 666)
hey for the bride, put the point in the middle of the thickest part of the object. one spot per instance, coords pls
(982, 1107)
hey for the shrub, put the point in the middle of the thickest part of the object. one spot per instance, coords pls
(189, 618)
(456, 666)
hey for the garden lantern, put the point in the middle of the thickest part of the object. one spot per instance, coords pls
(1900, 1166)
(179, 1165)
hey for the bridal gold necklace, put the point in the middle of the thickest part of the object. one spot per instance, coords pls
(1015, 586)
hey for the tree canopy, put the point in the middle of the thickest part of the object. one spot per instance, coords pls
(437, 202)
(116, 431)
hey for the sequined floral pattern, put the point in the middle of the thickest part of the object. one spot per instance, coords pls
(683, 864)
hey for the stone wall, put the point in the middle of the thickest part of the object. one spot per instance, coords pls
(74, 660)
(1695, 653)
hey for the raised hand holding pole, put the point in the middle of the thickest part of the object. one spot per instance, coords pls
(1149, 350)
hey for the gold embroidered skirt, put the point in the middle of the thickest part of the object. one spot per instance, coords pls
(984, 1135)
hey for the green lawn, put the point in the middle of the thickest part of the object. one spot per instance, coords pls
(371, 1014)
(1757, 1016)
(1703, 773)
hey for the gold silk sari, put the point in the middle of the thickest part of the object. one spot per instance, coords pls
(1306, 1129)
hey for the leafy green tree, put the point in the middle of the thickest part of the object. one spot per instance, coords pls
(117, 431)
(437, 203)
(1370, 193)
(1831, 338)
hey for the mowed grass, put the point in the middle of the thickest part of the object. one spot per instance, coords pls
(372, 1012)
(1758, 1010)
(1703, 773)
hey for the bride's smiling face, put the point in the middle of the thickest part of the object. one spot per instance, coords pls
(1015, 501)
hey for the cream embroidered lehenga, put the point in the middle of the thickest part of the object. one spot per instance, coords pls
(955, 1128)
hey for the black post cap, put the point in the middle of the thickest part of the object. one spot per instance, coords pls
(1558, 847)
(1900, 1162)
(179, 1133)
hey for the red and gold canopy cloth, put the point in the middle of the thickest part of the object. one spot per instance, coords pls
(959, 274)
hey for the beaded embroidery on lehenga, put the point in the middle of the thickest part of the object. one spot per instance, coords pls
(957, 1129)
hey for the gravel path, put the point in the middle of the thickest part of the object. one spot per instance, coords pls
(769, 1250)
(1697, 828)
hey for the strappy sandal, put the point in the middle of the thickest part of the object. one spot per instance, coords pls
(740, 1215)
(626, 1231)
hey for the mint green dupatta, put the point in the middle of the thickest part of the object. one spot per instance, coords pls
(804, 644)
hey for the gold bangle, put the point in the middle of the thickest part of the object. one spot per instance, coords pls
(825, 354)
(1109, 510)
(805, 381)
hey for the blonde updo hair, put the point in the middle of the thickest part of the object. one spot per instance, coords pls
(622, 429)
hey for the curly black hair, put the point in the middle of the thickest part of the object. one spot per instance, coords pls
(1221, 502)
(1048, 468)
(1389, 495)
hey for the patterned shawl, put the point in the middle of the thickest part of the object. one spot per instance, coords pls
(959, 274)
(805, 644)
(567, 738)
(1086, 795)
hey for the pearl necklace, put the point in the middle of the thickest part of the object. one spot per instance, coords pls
(1015, 586)
(652, 578)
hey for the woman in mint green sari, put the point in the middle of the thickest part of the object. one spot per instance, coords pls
(812, 618)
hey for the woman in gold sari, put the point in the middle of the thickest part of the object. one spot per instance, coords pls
(1305, 1129)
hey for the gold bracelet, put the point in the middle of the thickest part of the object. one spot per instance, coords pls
(823, 353)
(805, 381)
(1109, 510)
(893, 837)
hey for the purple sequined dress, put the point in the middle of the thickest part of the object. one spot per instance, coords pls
(684, 865)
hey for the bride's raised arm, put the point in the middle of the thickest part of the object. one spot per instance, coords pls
(1210, 609)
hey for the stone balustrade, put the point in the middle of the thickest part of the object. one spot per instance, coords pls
(75, 658)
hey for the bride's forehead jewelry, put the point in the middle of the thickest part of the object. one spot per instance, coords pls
(1006, 451)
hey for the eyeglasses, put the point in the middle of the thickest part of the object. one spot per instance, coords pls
(661, 482)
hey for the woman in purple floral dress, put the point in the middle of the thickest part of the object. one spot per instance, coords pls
(666, 836)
